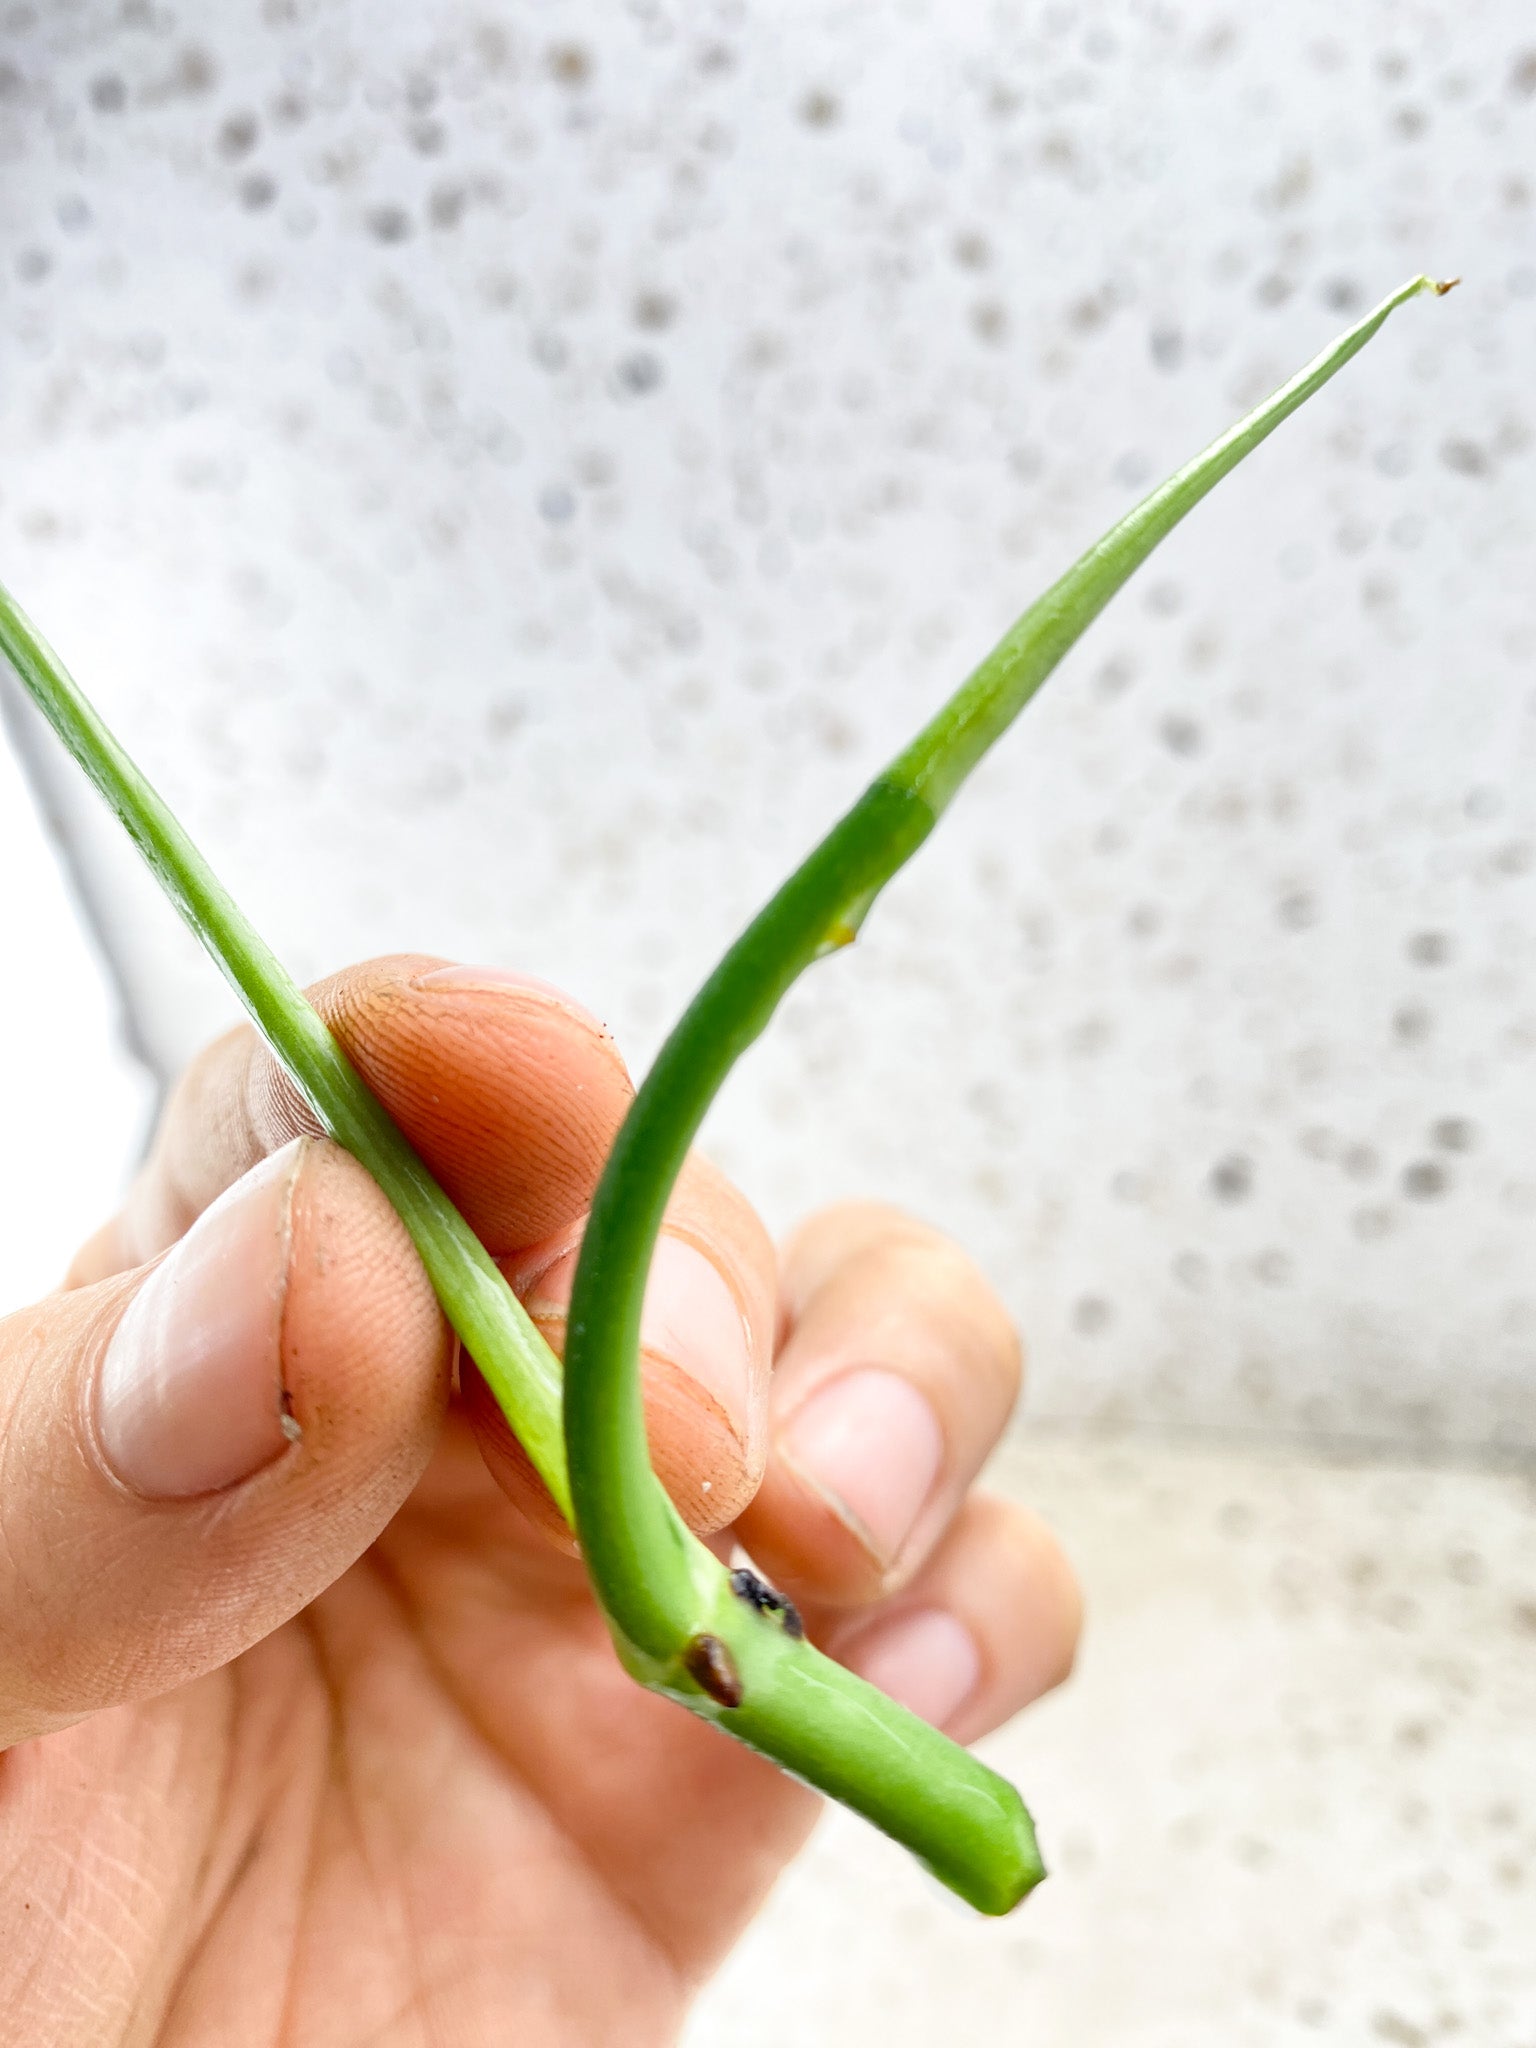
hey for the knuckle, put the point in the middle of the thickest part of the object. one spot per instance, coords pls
(934, 1278)
(841, 1231)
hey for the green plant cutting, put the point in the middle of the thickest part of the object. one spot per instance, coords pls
(717, 1641)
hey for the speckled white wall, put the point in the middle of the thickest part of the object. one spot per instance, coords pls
(512, 471)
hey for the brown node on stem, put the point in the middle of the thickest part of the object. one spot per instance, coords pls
(712, 1668)
(1446, 284)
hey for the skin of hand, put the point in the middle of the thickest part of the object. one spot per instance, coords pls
(310, 1732)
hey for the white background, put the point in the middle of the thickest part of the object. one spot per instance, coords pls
(512, 476)
(74, 1102)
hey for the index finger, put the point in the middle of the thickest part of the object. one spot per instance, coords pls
(510, 1092)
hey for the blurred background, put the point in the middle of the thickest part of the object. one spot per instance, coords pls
(512, 472)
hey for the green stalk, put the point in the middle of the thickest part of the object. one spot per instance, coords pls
(659, 1586)
(676, 1619)
(518, 1365)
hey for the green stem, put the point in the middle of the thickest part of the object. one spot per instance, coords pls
(661, 1589)
(676, 1620)
(519, 1366)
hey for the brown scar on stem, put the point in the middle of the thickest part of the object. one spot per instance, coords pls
(1446, 284)
(712, 1668)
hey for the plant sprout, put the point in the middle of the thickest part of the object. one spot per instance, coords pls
(715, 1641)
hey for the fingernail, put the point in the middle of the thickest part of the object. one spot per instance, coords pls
(927, 1660)
(497, 980)
(691, 1318)
(190, 1396)
(871, 1446)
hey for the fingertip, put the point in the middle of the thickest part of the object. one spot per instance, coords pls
(926, 1658)
(510, 1091)
(809, 1542)
(1007, 1568)
(896, 1376)
(1013, 1583)
(989, 1625)
(188, 1397)
(292, 1323)
(457, 977)
(1071, 1604)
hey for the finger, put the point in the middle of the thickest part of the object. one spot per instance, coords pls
(190, 1453)
(989, 1624)
(512, 1094)
(897, 1372)
(509, 1090)
(706, 1351)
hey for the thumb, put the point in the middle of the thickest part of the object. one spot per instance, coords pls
(191, 1452)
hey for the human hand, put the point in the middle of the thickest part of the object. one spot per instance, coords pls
(317, 1735)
